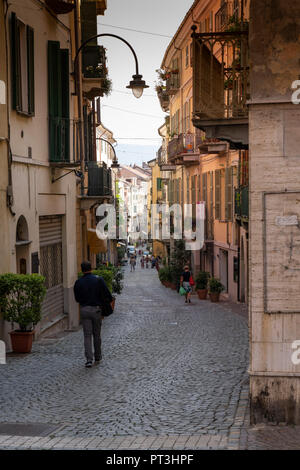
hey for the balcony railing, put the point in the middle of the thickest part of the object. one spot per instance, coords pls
(94, 62)
(242, 202)
(99, 180)
(59, 141)
(164, 99)
(173, 83)
(184, 144)
(162, 157)
(228, 15)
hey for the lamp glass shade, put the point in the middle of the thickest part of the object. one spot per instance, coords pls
(137, 85)
(137, 91)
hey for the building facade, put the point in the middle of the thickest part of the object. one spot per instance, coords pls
(199, 168)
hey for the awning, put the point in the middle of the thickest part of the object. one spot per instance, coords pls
(96, 244)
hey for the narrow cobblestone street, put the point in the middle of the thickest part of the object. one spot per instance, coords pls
(168, 369)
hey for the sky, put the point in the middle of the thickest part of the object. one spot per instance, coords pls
(133, 121)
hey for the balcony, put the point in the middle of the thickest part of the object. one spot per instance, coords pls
(60, 7)
(60, 154)
(99, 188)
(183, 150)
(242, 204)
(173, 83)
(228, 15)
(164, 98)
(94, 80)
(221, 85)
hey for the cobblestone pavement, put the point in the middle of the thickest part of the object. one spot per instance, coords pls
(173, 375)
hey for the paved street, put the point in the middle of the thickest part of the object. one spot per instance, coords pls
(169, 369)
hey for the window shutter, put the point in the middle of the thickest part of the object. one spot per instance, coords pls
(228, 194)
(187, 189)
(218, 194)
(204, 187)
(15, 64)
(54, 74)
(54, 100)
(199, 192)
(30, 69)
(65, 102)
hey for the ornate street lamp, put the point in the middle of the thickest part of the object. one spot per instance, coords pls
(137, 85)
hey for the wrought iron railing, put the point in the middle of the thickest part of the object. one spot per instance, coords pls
(173, 83)
(164, 99)
(229, 14)
(220, 75)
(94, 62)
(162, 157)
(184, 143)
(99, 179)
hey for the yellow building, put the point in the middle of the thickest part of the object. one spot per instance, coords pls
(201, 168)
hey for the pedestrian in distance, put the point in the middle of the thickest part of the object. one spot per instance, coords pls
(185, 282)
(157, 264)
(142, 262)
(94, 298)
(132, 263)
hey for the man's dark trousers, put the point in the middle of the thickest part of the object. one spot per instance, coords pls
(91, 319)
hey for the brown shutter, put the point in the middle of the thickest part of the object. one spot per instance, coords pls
(218, 194)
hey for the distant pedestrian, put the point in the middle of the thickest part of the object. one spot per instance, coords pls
(132, 263)
(185, 283)
(157, 264)
(147, 262)
(153, 261)
(142, 262)
(93, 295)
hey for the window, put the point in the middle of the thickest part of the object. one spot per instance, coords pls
(58, 102)
(187, 56)
(22, 59)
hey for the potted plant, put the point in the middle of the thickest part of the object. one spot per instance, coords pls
(21, 297)
(162, 274)
(201, 284)
(215, 289)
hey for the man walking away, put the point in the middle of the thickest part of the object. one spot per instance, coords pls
(91, 293)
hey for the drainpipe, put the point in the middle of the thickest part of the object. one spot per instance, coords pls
(9, 191)
(78, 88)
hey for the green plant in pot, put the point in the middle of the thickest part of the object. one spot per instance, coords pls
(201, 284)
(21, 297)
(215, 289)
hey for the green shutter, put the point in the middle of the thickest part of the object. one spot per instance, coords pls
(30, 69)
(15, 63)
(64, 58)
(218, 194)
(56, 139)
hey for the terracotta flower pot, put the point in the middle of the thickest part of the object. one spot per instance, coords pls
(173, 286)
(214, 296)
(21, 341)
(202, 294)
(167, 284)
